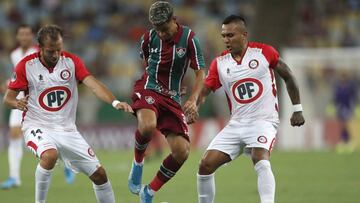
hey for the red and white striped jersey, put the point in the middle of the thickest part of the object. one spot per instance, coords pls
(249, 84)
(53, 93)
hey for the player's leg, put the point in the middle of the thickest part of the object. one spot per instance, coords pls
(146, 127)
(43, 174)
(102, 186)
(15, 150)
(260, 140)
(266, 180)
(225, 147)
(43, 146)
(210, 162)
(180, 149)
(76, 153)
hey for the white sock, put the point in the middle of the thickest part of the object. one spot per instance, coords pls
(42, 182)
(15, 153)
(266, 181)
(104, 193)
(206, 188)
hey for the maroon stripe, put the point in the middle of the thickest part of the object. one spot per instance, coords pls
(165, 64)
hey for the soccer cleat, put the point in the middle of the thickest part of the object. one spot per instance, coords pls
(69, 175)
(9, 183)
(134, 182)
(145, 196)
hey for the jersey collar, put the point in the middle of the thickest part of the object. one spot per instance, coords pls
(178, 34)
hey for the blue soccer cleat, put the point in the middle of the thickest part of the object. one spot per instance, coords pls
(145, 196)
(9, 183)
(134, 182)
(69, 175)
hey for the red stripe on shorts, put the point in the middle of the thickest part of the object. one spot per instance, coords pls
(32, 145)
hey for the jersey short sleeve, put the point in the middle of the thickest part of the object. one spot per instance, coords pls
(271, 55)
(212, 79)
(18, 80)
(196, 56)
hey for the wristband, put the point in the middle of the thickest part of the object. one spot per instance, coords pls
(297, 108)
(115, 102)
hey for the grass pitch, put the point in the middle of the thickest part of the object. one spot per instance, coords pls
(301, 177)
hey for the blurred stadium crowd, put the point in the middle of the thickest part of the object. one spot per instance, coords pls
(105, 34)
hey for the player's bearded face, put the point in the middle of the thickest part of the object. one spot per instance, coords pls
(50, 52)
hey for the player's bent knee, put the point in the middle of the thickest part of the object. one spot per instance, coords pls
(147, 128)
(181, 154)
(99, 176)
(206, 167)
(48, 159)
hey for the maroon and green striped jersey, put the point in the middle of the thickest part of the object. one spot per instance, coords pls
(166, 62)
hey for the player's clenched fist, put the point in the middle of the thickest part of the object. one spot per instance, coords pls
(297, 119)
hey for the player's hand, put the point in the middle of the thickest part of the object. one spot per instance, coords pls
(125, 106)
(297, 119)
(191, 111)
(22, 103)
(191, 117)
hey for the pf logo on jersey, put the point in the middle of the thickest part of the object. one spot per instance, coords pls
(54, 98)
(247, 90)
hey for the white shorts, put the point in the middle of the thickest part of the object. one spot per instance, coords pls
(15, 118)
(238, 137)
(72, 148)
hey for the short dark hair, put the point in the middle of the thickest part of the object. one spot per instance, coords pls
(52, 31)
(23, 25)
(160, 12)
(235, 19)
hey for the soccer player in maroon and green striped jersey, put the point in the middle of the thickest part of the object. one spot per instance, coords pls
(167, 50)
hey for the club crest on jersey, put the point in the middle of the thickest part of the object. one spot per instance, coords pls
(247, 90)
(65, 74)
(253, 64)
(91, 152)
(262, 139)
(149, 99)
(54, 98)
(180, 52)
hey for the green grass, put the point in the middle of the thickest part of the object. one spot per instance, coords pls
(311, 177)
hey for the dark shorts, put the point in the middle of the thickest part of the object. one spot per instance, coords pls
(169, 114)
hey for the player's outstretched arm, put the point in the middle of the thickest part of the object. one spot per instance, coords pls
(190, 107)
(285, 73)
(103, 93)
(10, 100)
